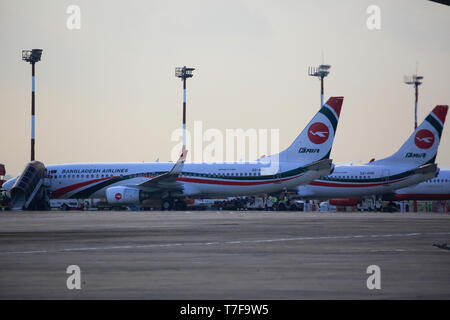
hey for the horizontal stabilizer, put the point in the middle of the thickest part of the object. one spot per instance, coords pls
(320, 165)
(427, 169)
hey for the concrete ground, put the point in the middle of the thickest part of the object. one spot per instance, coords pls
(223, 255)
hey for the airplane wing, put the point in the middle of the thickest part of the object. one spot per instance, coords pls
(168, 180)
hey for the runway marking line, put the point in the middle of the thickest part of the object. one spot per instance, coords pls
(168, 245)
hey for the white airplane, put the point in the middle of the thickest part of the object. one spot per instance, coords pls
(411, 164)
(434, 189)
(306, 159)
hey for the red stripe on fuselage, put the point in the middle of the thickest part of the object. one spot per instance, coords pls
(234, 183)
(59, 192)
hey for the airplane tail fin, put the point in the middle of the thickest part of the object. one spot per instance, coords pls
(422, 146)
(315, 141)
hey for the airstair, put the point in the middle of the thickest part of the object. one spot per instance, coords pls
(29, 192)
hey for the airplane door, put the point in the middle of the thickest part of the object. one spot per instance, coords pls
(277, 177)
(385, 173)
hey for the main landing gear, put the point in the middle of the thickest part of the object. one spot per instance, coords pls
(170, 204)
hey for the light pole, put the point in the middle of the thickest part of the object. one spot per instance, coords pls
(32, 56)
(320, 72)
(416, 81)
(184, 73)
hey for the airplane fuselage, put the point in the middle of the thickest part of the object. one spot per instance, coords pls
(196, 179)
(362, 180)
(437, 188)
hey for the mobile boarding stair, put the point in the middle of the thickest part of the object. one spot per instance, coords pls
(30, 191)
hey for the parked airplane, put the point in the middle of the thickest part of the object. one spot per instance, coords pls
(411, 164)
(306, 159)
(434, 189)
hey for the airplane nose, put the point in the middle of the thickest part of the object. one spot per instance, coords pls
(9, 184)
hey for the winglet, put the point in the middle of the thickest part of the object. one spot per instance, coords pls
(168, 177)
(176, 170)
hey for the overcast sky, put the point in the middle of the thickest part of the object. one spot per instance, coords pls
(107, 92)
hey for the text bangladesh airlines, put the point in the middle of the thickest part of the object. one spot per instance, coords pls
(413, 163)
(130, 183)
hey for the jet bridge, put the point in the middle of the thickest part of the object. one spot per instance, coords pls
(29, 192)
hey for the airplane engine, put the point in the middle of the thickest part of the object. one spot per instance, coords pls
(123, 195)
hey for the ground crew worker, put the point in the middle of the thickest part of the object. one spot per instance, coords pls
(269, 203)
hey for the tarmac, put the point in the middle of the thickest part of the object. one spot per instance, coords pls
(224, 255)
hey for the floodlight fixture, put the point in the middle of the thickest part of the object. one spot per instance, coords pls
(320, 72)
(32, 56)
(416, 81)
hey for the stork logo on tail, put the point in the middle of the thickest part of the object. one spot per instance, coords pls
(424, 139)
(318, 133)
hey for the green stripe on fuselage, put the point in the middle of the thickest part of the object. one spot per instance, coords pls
(381, 179)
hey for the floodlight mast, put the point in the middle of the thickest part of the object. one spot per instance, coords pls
(184, 73)
(320, 72)
(416, 81)
(32, 56)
